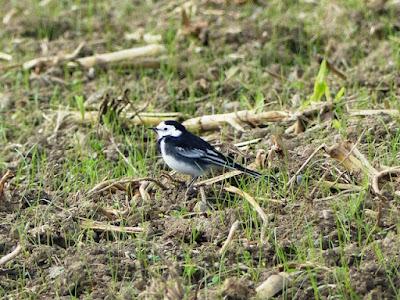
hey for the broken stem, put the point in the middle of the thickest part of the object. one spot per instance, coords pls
(10, 255)
(305, 164)
(229, 239)
(112, 57)
(95, 225)
(249, 199)
(3, 181)
(377, 176)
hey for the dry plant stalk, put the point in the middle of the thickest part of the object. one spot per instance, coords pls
(373, 112)
(341, 186)
(305, 164)
(208, 122)
(354, 161)
(235, 119)
(3, 181)
(298, 126)
(273, 285)
(219, 178)
(147, 119)
(302, 266)
(50, 61)
(141, 36)
(203, 195)
(131, 54)
(386, 172)
(95, 225)
(229, 239)
(5, 56)
(250, 199)
(238, 119)
(143, 192)
(336, 196)
(9, 15)
(144, 62)
(112, 213)
(278, 148)
(222, 177)
(248, 143)
(261, 158)
(10, 255)
(351, 158)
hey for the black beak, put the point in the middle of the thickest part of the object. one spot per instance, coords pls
(153, 128)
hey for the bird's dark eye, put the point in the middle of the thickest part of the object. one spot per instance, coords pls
(165, 129)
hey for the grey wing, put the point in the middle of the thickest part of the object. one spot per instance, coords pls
(190, 153)
(207, 156)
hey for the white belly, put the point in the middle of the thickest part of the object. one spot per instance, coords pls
(177, 165)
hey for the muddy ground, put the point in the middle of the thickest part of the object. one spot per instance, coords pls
(330, 241)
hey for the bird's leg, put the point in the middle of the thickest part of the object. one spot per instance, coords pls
(190, 186)
(192, 182)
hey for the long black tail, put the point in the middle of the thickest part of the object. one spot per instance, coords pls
(217, 158)
(255, 174)
(268, 178)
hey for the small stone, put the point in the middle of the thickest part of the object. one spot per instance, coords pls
(299, 179)
(91, 74)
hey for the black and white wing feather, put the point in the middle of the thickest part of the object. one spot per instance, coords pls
(207, 156)
(202, 152)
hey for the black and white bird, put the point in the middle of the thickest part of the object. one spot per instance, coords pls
(187, 153)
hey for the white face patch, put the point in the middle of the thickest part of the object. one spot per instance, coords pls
(167, 130)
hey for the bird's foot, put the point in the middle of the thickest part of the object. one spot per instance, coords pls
(190, 188)
(190, 192)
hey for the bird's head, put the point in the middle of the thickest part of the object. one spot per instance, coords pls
(169, 128)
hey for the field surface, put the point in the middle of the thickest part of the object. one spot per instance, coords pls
(311, 96)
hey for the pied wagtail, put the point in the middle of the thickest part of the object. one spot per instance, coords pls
(187, 153)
